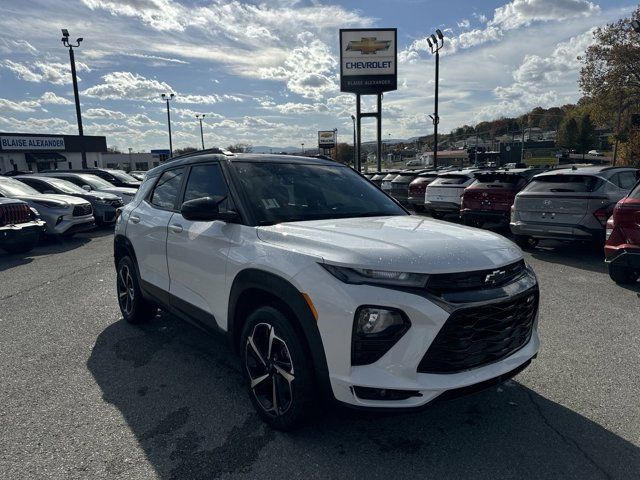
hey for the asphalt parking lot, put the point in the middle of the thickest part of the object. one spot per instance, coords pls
(85, 395)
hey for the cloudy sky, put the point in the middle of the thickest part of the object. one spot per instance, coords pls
(266, 73)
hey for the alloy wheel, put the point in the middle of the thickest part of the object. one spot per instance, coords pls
(126, 292)
(270, 369)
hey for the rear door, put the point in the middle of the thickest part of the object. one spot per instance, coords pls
(197, 251)
(147, 229)
(557, 199)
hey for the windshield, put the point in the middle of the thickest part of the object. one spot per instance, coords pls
(10, 188)
(65, 186)
(123, 177)
(96, 182)
(563, 183)
(284, 192)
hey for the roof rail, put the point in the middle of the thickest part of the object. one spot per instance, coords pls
(200, 152)
(613, 167)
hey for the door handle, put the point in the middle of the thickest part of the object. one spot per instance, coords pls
(175, 228)
(134, 219)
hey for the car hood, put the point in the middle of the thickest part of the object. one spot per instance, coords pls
(119, 190)
(400, 243)
(94, 195)
(61, 200)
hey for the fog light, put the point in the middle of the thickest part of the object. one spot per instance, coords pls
(373, 320)
(375, 331)
(59, 220)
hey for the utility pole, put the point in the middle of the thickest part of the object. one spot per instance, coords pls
(166, 98)
(74, 77)
(355, 163)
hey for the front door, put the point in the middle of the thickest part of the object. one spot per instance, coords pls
(147, 230)
(197, 251)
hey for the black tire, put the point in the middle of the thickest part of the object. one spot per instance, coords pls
(526, 242)
(134, 308)
(286, 373)
(436, 215)
(623, 275)
(418, 208)
(472, 222)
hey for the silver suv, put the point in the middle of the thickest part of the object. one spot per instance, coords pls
(569, 204)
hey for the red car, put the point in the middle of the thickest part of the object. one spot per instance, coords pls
(417, 188)
(490, 197)
(622, 250)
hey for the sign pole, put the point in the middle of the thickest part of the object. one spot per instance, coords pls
(379, 133)
(359, 134)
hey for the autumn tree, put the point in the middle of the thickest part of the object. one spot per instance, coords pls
(568, 134)
(586, 138)
(240, 148)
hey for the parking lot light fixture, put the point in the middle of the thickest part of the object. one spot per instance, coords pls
(200, 117)
(166, 98)
(302, 148)
(353, 119)
(436, 41)
(65, 41)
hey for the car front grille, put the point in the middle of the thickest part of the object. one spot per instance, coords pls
(11, 214)
(476, 280)
(477, 336)
(116, 203)
(81, 210)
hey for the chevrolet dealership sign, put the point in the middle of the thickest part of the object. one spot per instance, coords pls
(31, 143)
(368, 60)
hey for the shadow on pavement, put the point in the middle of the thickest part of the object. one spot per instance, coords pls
(576, 255)
(181, 394)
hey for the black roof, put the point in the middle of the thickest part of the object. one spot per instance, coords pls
(204, 155)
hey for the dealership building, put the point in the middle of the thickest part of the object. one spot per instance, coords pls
(35, 152)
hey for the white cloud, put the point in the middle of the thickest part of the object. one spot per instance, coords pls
(103, 113)
(522, 12)
(127, 86)
(464, 23)
(140, 120)
(23, 106)
(50, 98)
(38, 125)
(57, 73)
(8, 46)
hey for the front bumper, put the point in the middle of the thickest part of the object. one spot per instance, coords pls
(104, 213)
(69, 225)
(21, 233)
(556, 231)
(336, 304)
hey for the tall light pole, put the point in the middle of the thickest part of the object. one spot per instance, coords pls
(302, 148)
(166, 98)
(200, 116)
(335, 137)
(353, 119)
(435, 44)
(74, 77)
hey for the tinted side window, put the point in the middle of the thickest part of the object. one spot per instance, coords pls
(39, 186)
(74, 180)
(208, 181)
(626, 180)
(166, 190)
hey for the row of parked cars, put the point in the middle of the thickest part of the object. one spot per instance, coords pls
(578, 203)
(59, 203)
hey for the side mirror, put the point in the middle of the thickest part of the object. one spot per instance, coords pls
(86, 187)
(206, 209)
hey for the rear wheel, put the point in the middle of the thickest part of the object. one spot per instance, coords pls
(622, 274)
(526, 242)
(276, 368)
(134, 308)
(473, 222)
(437, 215)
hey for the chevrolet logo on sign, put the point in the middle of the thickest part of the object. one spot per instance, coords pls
(369, 45)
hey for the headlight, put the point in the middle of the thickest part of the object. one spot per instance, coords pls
(360, 276)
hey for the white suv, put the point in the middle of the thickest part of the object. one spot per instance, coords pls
(324, 284)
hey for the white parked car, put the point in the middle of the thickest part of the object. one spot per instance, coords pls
(442, 196)
(323, 284)
(93, 183)
(63, 214)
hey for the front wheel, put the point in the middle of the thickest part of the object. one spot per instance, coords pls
(623, 275)
(276, 368)
(134, 307)
(526, 242)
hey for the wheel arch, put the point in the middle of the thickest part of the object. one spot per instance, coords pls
(253, 288)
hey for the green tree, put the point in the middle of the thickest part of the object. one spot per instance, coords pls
(240, 148)
(568, 134)
(586, 138)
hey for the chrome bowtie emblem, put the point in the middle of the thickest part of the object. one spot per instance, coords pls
(546, 203)
(495, 276)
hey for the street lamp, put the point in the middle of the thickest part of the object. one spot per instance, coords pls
(353, 119)
(335, 148)
(166, 98)
(201, 117)
(435, 44)
(302, 148)
(74, 77)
